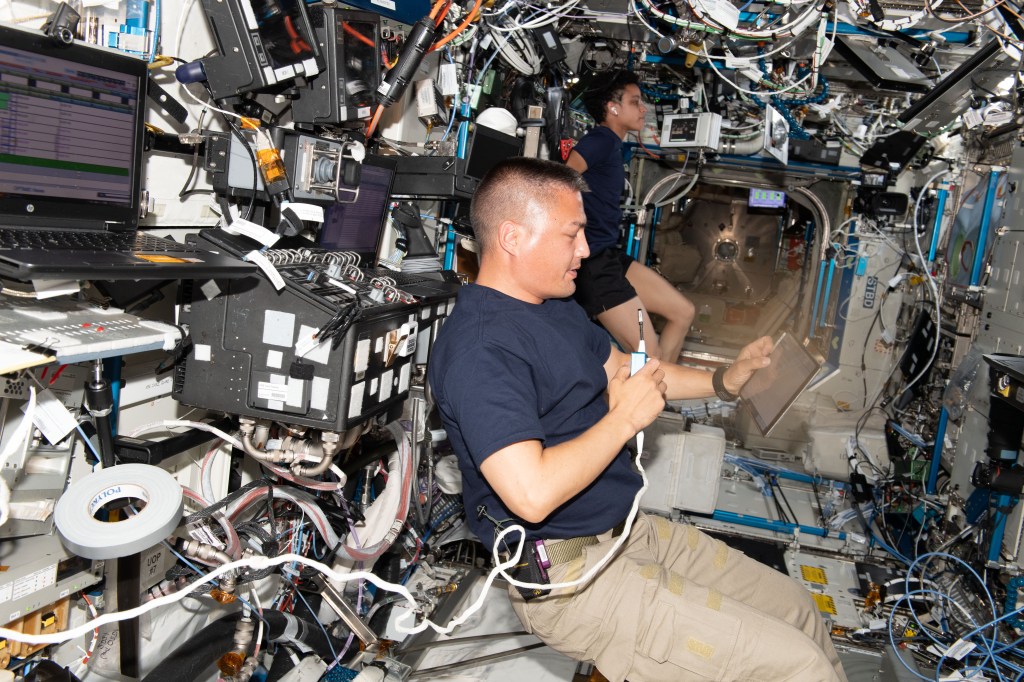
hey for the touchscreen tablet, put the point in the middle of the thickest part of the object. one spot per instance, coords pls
(772, 390)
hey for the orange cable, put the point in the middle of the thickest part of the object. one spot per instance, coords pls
(374, 121)
(473, 14)
(357, 35)
(444, 13)
(436, 8)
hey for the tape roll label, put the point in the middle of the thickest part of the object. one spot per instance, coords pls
(117, 492)
(85, 535)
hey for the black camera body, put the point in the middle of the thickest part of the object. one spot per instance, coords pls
(62, 26)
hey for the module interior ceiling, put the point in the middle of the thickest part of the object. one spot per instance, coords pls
(948, 55)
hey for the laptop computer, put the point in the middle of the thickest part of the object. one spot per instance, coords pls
(71, 137)
(355, 224)
(358, 225)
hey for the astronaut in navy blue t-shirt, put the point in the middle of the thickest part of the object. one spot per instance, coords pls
(539, 406)
(611, 285)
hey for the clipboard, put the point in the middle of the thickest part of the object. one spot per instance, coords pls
(771, 391)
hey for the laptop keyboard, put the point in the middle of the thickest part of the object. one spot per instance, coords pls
(91, 241)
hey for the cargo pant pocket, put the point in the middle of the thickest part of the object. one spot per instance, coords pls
(683, 640)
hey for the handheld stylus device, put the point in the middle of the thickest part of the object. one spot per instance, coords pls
(639, 358)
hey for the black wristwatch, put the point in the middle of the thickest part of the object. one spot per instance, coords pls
(718, 382)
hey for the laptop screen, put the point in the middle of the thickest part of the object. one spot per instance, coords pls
(356, 223)
(71, 124)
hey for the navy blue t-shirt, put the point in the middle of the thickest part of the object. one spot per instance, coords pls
(504, 371)
(606, 176)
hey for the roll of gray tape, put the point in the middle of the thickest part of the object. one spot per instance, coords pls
(88, 537)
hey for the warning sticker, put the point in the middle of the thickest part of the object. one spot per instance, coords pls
(813, 574)
(159, 258)
(825, 603)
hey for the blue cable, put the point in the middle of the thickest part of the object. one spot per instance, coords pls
(451, 120)
(88, 443)
(989, 647)
(487, 65)
(195, 568)
(156, 30)
(334, 654)
(451, 116)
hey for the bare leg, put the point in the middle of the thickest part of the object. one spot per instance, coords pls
(622, 324)
(659, 296)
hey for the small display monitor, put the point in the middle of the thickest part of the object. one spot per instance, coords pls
(766, 198)
(487, 148)
(357, 222)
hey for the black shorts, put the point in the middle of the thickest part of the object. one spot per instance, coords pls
(601, 283)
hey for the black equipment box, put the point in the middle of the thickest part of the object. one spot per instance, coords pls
(813, 151)
(254, 353)
(429, 176)
(350, 41)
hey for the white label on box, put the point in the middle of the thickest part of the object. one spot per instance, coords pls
(386, 380)
(362, 357)
(295, 387)
(33, 582)
(203, 352)
(311, 349)
(355, 400)
(386, 4)
(274, 358)
(959, 649)
(52, 418)
(278, 328)
(319, 390)
(210, 289)
(268, 391)
(448, 81)
(5, 592)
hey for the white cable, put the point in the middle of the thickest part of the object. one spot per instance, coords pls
(675, 177)
(182, 16)
(514, 560)
(640, 18)
(262, 562)
(679, 195)
(931, 280)
(183, 423)
(529, 64)
(552, 17)
(756, 93)
(794, 29)
(254, 597)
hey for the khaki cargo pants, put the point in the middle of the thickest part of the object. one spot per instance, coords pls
(677, 604)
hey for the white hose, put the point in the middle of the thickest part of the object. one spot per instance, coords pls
(385, 518)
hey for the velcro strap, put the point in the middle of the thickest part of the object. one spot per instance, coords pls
(564, 551)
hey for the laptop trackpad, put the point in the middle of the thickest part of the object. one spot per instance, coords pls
(111, 258)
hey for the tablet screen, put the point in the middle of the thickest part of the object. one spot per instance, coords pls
(771, 391)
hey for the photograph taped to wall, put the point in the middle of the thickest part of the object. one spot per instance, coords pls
(772, 390)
